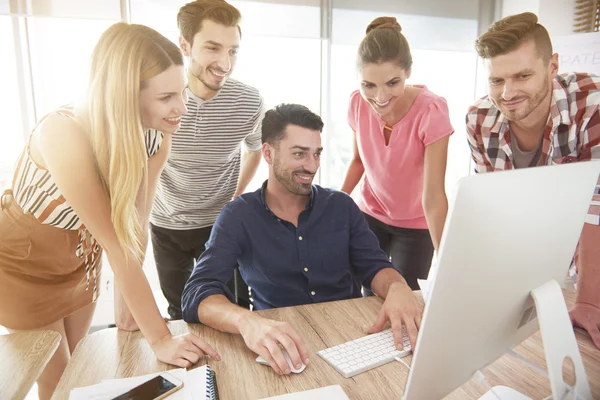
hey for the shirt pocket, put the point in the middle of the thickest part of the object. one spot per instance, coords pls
(15, 235)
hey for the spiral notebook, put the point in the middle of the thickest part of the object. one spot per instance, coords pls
(198, 384)
(202, 383)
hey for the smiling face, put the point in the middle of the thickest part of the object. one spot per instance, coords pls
(295, 159)
(520, 81)
(213, 54)
(162, 100)
(383, 85)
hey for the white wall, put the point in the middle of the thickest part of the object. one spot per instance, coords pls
(555, 15)
(510, 7)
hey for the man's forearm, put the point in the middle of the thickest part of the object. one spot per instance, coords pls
(250, 162)
(219, 313)
(384, 279)
(588, 282)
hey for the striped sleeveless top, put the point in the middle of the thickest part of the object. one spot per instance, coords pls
(36, 193)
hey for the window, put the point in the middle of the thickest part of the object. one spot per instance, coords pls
(11, 134)
(96, 9)
(60, 53)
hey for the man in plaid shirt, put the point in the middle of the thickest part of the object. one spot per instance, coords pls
(533, 116)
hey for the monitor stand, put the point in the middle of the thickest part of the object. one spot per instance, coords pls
(559, 343)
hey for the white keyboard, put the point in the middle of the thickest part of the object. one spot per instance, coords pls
(360, 355)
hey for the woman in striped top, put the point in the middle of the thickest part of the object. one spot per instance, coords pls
(85, 184)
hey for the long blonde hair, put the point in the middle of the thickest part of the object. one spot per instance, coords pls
(124, 58)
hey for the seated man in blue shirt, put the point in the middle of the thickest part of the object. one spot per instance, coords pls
(295, 243)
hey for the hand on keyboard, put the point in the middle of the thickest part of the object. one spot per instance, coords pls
(360, 355)
(401, 307)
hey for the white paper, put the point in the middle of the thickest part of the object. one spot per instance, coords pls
(334, 392)
(426, 284)
(111, 388)
(196, 383)
(579, 52)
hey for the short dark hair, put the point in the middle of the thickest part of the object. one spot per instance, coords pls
(278, 118)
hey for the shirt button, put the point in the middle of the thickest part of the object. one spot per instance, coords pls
(299, 237)
(278, 220)
(305, 269)
(313, 293)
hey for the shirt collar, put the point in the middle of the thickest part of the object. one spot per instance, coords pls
(501, 124)
(559, 107)
(198, 100)
(309, 205)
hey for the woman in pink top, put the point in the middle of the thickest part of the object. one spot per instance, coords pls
(400, 146)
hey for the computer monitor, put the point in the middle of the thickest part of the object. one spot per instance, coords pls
(506, 233)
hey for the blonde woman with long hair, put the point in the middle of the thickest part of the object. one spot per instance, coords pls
(85, 184)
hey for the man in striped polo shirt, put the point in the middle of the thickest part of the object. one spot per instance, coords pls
(205, 169)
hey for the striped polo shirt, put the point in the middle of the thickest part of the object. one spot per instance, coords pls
(202, 172)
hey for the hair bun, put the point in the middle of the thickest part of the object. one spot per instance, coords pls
(384, 23)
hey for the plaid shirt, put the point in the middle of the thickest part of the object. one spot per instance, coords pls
(572, 132)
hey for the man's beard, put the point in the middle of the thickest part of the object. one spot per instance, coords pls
(287, 181)
(200, 73)
(533, 102)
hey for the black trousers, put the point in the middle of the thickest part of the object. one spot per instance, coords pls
(175, 253)
(410, 250)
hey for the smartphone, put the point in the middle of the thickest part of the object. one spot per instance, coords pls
(156, 388)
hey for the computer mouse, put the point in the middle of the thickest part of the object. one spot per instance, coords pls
(261, 360)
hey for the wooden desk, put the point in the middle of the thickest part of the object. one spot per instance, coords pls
(23, 357)
(112, 354)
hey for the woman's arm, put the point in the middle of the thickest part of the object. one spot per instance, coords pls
(354, 172)
(68, 156)
(435, 203)
(123, 317)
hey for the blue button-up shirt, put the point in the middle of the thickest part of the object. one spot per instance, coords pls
(327, 257)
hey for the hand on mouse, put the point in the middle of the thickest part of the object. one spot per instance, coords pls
(295, 370)
(269, 339)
